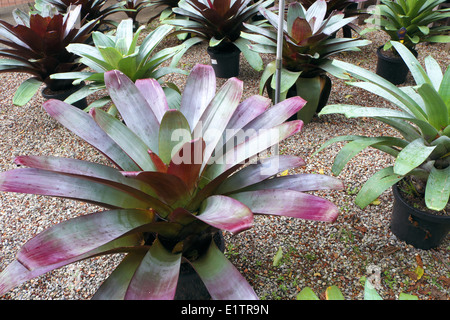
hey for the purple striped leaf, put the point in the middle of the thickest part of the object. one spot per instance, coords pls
(80, 235)
(42, 182)
(288, 203)
(226, 214)
(277, 114)
(258, 142)
(217, 114)
(258, 172)
(133, 108)
(16, 273)
(82, 168)
(152, 92)
(116, 285)
(157, 276)
(82, 124)
(125, 138)
(221, 278)
(248, 110)
(199, 90)
(299, 182)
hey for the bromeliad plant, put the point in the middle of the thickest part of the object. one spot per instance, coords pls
(220, 22)
(339, 5)
(37, 46)
(178, 179)
(91, 10)
(410, 21)
(121, 51)
(134, 7)
(306, 47)
(348, 7)
(422, 120)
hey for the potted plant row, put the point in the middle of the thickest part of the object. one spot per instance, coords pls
(37, 46)
(307, 45)
(421, 171)
(408, 22)
(219, 23)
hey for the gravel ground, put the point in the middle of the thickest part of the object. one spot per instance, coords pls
(317, 255)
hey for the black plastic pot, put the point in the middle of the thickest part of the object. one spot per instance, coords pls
(393, 69)
(190, 286)
(225, 62)
(63, 94)
(421, 229)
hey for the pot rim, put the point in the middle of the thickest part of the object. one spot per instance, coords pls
(419, 213)
(214, 51)
(392, 59)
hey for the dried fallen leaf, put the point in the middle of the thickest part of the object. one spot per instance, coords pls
(419, 261)
(419, 272)
(376, 202)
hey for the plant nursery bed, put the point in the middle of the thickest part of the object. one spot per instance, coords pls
(357, 246)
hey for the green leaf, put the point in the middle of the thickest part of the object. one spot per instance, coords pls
(128, 65)
(439, 39)
(89, 53)
(436, 109)
(406, 296)
(412, 156)
(434, 72)
(437, 190)
(268, 72)
(102, 40)
(366, 75)
(26, 91)
(419, 74)
(112, 56)
(288, 79)
(444, 89)
(376, 185)
(334, 293)
(252, 57)
(277, 258)
(307, 294)
(351, 149)
(214, 42)
(370, 293)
